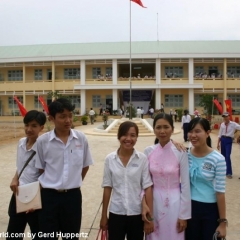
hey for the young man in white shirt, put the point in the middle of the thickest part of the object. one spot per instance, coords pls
(91, 114)
(63, 157)
(225, 137)
(33, 124)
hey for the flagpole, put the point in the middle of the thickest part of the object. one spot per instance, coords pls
(130, 65)
(38, 101)
(157, 28)
(212, 107)
(14, 119)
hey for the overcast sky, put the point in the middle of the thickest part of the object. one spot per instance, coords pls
(25, 22)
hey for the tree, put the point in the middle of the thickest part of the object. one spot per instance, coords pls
(54, 95)
(206, 101)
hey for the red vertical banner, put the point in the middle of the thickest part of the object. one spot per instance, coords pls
(228, 103)
(45, 107)
(22, 109)
(218, 105)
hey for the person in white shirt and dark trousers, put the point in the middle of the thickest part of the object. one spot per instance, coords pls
(126, 174)
(92, 115)
(186, 118)
(225, 137)
(63, 157)
(33, 124)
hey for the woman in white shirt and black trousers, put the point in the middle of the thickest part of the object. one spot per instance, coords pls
(126, 174)
(186, 118)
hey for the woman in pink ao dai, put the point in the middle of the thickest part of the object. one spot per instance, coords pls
(171, 188)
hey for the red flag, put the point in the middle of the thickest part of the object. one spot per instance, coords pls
(139, 2)
(229, 107)
(20, 106)
(218, 105)
(45, 107)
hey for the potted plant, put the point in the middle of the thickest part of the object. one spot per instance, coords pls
(75, 118)
(84, 119)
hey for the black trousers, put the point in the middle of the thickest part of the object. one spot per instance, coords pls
(61, 212)
(120, 226)
(185, 131)
(18, 222)
(203, 223)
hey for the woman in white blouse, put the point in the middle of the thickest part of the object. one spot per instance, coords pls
(125, 175)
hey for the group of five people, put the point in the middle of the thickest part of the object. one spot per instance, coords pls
(165, 192)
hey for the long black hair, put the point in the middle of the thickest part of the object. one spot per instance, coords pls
(205, 125)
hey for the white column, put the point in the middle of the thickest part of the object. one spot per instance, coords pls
(83, 72)
(191, 100)
(157, 98)
(115, 99)
(158, 71)
(83, 102)
(114, 72)
(190, 70)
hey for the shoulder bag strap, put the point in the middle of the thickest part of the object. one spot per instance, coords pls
(26, 163)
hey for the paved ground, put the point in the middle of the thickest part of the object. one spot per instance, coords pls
(92, 191)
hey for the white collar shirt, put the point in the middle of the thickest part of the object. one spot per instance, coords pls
(229, 129)
(62, 163)
(91, 112)
(127, 182)
(186, 119)
(30, 173)
(139, 111)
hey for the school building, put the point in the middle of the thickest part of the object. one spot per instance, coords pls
(175, 73)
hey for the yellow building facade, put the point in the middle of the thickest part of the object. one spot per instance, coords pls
(176, 73)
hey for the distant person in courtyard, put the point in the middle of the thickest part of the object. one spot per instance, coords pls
(63, 158)
(92, 115)
(142, 112)
(196, 113)
(100, 110)
(162, 108)
(175, 113)
(225, 137)
(139, 112)
(186, 118)
(151, 111)
(33, 124)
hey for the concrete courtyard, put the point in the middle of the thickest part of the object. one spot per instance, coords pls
(91, 190)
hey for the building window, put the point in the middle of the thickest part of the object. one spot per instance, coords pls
(76, 100)
(96, 100)
(1, 77)
(235, 100)
(199, 72)
(49, 74)
(96, 73)
(72, 73)
(15, 75)
(173, 72)
(38, 74)
(108, 72)
(12, 103)
(233, 72)
(173, 100)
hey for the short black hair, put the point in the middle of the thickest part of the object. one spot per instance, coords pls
(59, 105)
(124, 128)
(32, 115)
